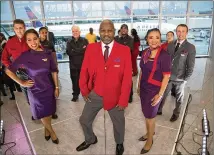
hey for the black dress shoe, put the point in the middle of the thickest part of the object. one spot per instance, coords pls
(159, 113)
(173, 94)
(143, 151)
(32, 118)
(143, 138)
(130, 99)
(85, 145)
(173, 118)
(119, 149)
(12, 98)
(4, 94)
(54, 116)
(74, 99)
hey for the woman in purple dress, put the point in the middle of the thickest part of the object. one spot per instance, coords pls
(155, 72)
(42, 83)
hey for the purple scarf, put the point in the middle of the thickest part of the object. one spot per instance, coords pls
(146, 55)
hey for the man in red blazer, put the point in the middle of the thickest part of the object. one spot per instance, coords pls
(105, 82)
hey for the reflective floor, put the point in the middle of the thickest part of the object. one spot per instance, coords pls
(70, 133)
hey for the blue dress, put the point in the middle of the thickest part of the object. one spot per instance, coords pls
(38, 66)
(148, 89)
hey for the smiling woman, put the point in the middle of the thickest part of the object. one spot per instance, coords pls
(42, 81)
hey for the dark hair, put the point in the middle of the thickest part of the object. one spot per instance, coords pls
(170, 32)
(149, 31)
(118, 31)
(3, 37)
(135, 35)
(31, 31)
(41, 28)
(182, 25)
(18, 21)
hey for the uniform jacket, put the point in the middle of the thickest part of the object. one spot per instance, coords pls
(76, 50)
(111, 80)
(183, 60)
(127, 41)
(161, 66)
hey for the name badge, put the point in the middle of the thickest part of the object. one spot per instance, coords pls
(116, 65)
(45, 59)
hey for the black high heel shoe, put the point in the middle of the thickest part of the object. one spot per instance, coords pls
(56, 141)
(47, 137)
(143, 151)
(143, 139)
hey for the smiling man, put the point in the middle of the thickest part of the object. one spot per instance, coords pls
(183, 60)
(105, 82)
(15, 47)
(76, 50)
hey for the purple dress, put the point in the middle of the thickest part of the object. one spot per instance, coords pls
(38, 65)
(147, 89)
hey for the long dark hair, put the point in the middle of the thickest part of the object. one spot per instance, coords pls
(135, 35)
(149, 31)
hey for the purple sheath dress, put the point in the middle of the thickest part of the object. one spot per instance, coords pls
(38, 65)
(149, 90)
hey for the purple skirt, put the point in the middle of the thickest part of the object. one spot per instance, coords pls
(148, 110)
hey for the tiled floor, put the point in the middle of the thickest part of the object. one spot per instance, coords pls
(70, 134)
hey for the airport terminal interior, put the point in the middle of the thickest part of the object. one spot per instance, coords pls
(188, 135)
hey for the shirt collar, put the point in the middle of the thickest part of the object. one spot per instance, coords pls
(181, 42)
(109, 45)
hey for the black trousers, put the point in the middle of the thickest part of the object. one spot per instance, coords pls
(179, 95)
(75, 76)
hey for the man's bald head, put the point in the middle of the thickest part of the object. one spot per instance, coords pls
(75, 31)
(107, 31)
(106, 21)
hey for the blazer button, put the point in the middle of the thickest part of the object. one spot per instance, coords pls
(105, 68)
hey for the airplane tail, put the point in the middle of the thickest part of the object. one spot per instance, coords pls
(151, 12)
(32, 16)
(128, 11)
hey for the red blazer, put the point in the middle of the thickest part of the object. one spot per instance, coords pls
(13, 49)
(111, 80)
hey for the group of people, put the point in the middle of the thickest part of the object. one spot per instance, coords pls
(102, 72)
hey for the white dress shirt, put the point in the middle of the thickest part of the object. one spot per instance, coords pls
(109, 45)
(181, 42)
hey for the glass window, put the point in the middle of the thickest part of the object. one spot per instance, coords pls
(87, 9)
(200, 32)
(7, 29)
(170, 24)
(145, 8)
(142, 25)
(201, 7)
(174, 7)
(116, 8)
(58, 9)
(27, 10)
(5, 11)
(88, 23)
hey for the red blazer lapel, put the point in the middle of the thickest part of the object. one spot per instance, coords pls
(112, 54)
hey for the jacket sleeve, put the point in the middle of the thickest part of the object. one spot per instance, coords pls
(127, 79)
(190, 63)
(6, 56)
(84, 74)
(74, 51)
